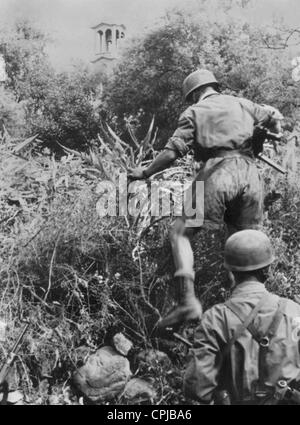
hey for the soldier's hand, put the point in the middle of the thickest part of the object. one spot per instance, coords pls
(136, 174)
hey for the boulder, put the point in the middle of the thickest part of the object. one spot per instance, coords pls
(103, 376)
(122, 344)
(138, 390)
(14, 397)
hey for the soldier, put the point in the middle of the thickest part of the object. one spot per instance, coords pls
(247, 348)
(219, 129)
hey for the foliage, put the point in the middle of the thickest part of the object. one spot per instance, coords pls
(27, 65)
(80, 278)
(60, 106)
(149, 77)
(12, 113)
(65, 112)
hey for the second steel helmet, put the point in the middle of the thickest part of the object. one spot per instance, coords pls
(248, 250)
(197, 79)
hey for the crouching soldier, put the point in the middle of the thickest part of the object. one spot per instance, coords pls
(247, 350)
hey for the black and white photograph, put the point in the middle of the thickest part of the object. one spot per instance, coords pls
(149, 205)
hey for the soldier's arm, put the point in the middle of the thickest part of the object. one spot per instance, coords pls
(177, 146)
(183, 137)
(264, 115)
(201, 376)
(161, 162)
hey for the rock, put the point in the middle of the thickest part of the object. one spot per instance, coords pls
(139, 390)
(122, 344)
(54, 400)
(14, 397)
(154, 357)
(103, 376)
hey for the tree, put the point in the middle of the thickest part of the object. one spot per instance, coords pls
(149, 77)
(27, 65)
(12, 113)
(59, 106)
(66, 113)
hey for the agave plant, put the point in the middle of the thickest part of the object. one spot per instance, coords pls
(112, 155)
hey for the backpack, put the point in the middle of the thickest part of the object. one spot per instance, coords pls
(270, 387)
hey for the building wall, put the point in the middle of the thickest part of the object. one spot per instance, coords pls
(109, 39)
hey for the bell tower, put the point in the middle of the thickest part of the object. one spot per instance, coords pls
(109, 39)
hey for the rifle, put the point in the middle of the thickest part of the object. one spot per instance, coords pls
(4, 371)
(260, 136)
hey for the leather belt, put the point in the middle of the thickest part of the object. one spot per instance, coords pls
(223, 153)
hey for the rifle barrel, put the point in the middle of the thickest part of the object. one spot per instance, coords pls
(272, 164)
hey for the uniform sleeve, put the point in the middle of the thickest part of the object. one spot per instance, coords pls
(201, 376)
(259, 113)
(183, 137)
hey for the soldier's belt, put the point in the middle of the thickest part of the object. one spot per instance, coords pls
(226, 153)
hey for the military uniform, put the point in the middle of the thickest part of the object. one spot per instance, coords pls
(219, 129)
(237, 371)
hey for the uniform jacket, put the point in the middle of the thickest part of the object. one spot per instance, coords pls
(217, 121)
(206, 371)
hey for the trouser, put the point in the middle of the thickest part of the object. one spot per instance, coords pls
(231, 192)
(227, 190)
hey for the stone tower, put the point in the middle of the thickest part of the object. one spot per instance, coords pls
(109, 39)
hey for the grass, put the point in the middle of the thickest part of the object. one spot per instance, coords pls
(80, 278)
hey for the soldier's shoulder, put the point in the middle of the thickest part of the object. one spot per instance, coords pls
(187, 113)
(292, 307)
(243, 100)
(217, 311)
(229, 98)
(214, 320)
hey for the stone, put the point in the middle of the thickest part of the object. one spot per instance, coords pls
(122, 344)
(139, 390)
(14, 397)
(103, 376)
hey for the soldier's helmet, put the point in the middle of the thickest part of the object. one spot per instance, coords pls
(248, 250)
(196, 79)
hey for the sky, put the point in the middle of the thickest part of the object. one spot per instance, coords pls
(69, 22)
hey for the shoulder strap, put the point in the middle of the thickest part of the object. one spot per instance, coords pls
(264, 341)
(277, 318)
(245, 322)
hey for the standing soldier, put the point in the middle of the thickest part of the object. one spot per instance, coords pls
(248, 348)
(219, 129)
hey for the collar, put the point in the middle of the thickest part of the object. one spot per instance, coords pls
(208, 95)
(249, 287)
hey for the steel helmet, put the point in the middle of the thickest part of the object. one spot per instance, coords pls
(197, 79)
(248, 250)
